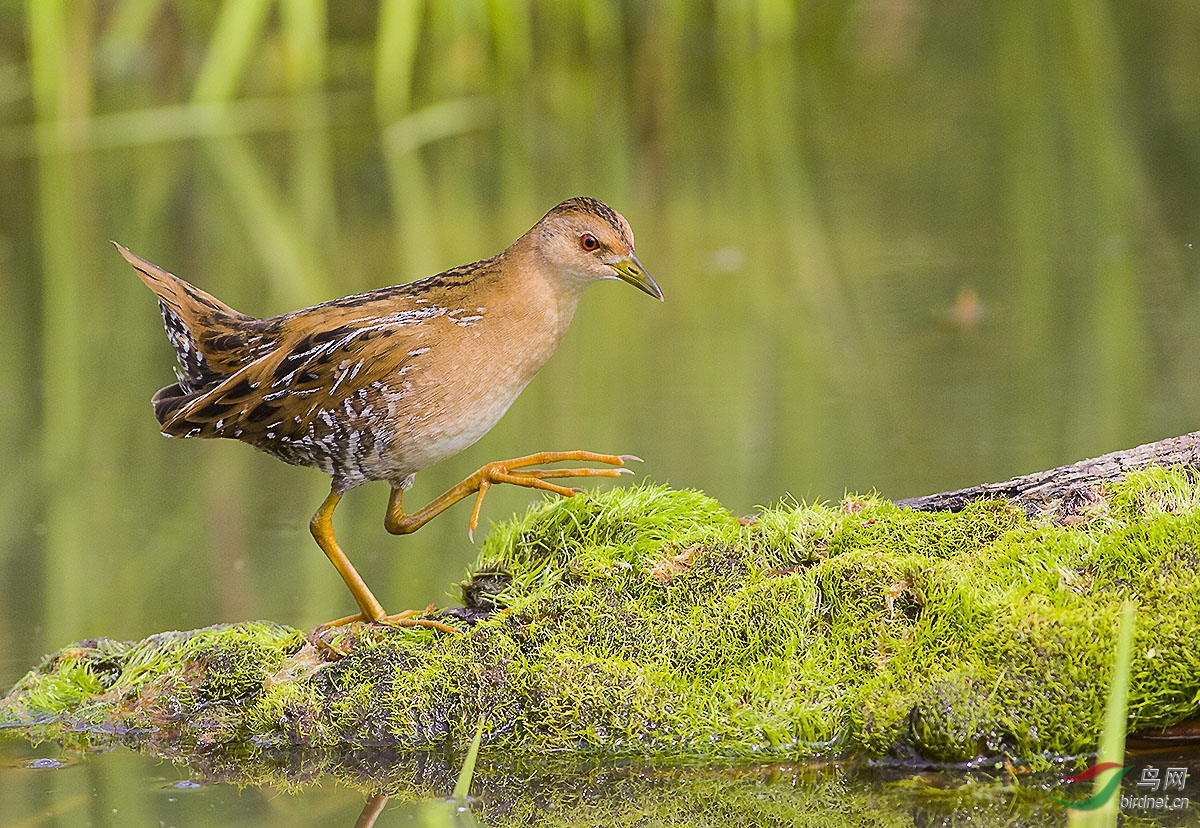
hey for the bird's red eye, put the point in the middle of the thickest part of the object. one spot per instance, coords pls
(589, 242)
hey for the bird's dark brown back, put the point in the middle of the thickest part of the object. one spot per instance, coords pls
(257, 380)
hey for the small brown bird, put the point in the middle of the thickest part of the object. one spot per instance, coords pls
(381, 385)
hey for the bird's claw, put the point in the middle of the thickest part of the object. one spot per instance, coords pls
(517, 473)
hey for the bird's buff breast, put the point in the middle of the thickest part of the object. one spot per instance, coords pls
(447, 392)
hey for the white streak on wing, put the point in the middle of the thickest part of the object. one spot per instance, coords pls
(367, 324)
(456, 317)
(398, 319)
(342, 375)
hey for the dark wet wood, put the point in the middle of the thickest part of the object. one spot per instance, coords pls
(1045, 488)
(1186, 732)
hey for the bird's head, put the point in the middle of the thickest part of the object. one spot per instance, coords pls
(586, 240)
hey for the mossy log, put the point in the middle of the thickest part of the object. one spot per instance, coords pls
(1068, 488)
(651, 622)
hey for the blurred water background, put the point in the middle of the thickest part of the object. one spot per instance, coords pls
(906, 245)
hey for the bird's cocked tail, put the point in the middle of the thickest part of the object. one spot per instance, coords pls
(208, 336)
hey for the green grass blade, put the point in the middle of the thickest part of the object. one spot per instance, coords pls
(463, 786)
(1112, 738)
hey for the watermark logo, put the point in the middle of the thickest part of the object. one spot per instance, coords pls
(1156, 798)
(1159, 783)
(1101, 796)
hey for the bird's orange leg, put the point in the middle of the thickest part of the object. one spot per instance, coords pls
(321, 526)
(515, 472)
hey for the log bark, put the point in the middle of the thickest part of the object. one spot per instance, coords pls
(1064, 484)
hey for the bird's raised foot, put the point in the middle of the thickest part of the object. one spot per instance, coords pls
(516, 472)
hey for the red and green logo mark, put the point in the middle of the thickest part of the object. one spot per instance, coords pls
(1101, 796)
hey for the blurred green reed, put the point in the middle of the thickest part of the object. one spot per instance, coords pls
(237, 31)
(59, 80)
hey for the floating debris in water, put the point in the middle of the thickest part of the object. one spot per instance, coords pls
(45, 763)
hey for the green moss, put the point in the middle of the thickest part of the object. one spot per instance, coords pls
(651, 622)
(106, 686)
